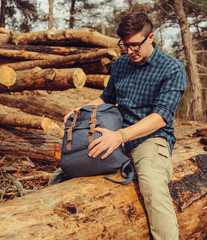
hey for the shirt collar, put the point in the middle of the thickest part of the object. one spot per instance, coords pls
(154, 56)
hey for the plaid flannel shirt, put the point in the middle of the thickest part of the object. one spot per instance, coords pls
(154, 87)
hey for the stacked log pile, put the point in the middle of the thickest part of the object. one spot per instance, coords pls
(38, 89)
(42, 75)
(84, 51)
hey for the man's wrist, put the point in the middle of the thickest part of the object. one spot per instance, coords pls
(124, 135)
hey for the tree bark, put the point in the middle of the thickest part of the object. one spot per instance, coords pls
(50, 15)
(15, 118)
(97, 80)
(26, 55)
(55, 109)
(96, 66)
(191, 60)
(72, 37)
(42, 148)
(50, 49)
(3, 12)
(81, 209)
(94, 208)
(48, 79)
(84, 57)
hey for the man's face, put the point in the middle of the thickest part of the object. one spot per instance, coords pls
(140, 47)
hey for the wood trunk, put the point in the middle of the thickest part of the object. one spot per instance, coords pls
(55, 109)
(49, 79)
(191, 60)
(42, 148)
(26, 55)
(84, 57)
(16, 118)
(72, 37)
(50, 49)
(97, 80)
(50, 104)
(81, 209)
(97, 66)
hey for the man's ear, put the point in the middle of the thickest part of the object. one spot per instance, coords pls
(151, 37)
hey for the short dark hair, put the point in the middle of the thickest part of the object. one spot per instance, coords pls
(133, 23)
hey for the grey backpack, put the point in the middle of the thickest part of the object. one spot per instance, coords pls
(79, 132)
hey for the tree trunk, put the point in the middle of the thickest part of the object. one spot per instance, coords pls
(191, 60)
(51, 108)
(3, 12)
(50, 49)
(72, 37)
(97, 80)
(96, 66)
(42, 148)
(50, 15)
(81, 209)
(84, 57)
(48, 79)
(72, 13)
(94, 208)
(26, 55)
(15, 118)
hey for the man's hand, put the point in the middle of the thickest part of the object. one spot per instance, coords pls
(68, 115)
(109, 140)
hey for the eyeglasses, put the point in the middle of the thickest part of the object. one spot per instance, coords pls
(133, 46)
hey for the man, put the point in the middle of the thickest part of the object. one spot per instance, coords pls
(147, 85)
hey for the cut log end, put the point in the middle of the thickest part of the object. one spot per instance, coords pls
(79, 78)
(7, 76)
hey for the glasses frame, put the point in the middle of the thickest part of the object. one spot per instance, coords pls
(123, 46)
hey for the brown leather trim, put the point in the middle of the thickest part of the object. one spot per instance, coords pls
(92, 123)
(70, 129)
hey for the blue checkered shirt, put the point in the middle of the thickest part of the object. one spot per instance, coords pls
(154, 87)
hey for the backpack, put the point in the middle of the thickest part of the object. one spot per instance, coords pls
(79, 133)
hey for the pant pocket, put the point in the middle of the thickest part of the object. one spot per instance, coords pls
(162, 160)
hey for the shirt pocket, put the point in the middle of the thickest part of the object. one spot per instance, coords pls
(145, 93)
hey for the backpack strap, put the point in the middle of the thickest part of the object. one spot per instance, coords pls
(92, 123)
(127, 172)
(70, 129)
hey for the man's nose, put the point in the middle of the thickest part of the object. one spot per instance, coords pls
(129, 51)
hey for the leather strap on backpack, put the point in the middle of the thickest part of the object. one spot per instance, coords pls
(70, 129)
(92, 123)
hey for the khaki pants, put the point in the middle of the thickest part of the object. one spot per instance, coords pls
(152, 162)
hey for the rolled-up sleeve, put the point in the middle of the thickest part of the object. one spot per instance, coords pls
(168, 97)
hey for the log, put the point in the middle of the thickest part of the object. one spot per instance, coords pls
(81, 209)
(4, 31)
(101, 66)
(54, 105)
(71, 59)
(7, 76)
(97, 80)
(50, 49)
(72, 37)
(42, 148)
(55, 109)
(49, 79)
(77, 209)
(26, 55)
(16, 118)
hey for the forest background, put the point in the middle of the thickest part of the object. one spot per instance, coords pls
(180, 30)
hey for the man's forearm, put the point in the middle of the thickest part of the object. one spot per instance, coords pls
(144, 127)
(97, 101)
